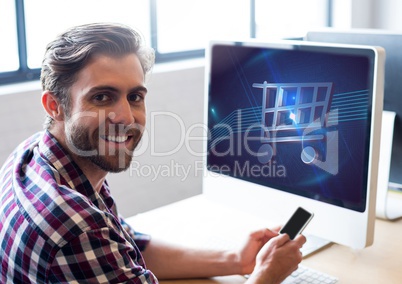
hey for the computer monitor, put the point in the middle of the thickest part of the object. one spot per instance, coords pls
(293, 123)
(390, 177)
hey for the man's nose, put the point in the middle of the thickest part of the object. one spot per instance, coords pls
(122, 114)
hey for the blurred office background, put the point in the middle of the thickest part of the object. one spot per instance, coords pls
(168, 164)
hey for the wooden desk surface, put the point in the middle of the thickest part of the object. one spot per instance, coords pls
(379, 263)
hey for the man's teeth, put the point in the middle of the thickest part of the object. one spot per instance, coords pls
(118, 139)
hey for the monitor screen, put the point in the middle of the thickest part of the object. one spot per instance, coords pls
(392, 43)
(294, 118)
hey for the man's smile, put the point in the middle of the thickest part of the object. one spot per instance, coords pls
(116, 139)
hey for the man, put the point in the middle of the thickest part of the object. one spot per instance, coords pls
(59, 223)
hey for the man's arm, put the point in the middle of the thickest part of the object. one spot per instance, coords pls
(265, 255)
(169, 261)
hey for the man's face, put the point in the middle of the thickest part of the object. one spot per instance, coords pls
(107, 115)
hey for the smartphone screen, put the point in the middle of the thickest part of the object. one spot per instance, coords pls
(297, 223)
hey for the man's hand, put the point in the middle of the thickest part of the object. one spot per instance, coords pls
(277, 259)
(256, 240)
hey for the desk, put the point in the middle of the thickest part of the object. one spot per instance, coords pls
(197, 219)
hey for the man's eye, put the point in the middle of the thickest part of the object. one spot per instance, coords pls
(101, 98)
(135, 97)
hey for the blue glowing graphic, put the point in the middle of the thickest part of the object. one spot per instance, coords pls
(304, 110)
(292, 116)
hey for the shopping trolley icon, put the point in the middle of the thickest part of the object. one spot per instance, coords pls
(294, 112)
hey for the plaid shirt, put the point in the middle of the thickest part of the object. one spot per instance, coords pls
(55, 228)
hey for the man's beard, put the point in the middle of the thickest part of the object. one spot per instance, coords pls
(95, 150)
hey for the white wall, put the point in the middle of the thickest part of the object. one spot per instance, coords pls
(387, 14)
(178, 93)
(375, 14)
(362, 13)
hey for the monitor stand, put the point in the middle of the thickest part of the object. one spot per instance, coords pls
(313, 245)
(389, 204)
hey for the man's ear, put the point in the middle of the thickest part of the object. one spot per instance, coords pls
(52, 106)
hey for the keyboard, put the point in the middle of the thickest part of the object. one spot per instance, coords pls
(308, 275)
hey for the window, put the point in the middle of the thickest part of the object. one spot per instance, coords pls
(8, 35)
(188, 25)
(177, 29)
(43, 19)
(289, 18)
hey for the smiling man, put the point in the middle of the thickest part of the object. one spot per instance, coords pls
(106, 117)
(59, 223)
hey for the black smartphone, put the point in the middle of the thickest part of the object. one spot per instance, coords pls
(297, 223)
